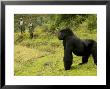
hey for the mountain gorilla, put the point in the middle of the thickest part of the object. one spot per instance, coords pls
(79, 47)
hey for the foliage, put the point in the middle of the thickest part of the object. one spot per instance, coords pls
(43, 55)
(55, 22)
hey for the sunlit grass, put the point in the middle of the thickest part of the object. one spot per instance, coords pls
(43, 56)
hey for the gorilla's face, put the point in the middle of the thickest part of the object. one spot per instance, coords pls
(61, 35)
(64, 33)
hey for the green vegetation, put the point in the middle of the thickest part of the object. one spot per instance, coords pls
(43, 55)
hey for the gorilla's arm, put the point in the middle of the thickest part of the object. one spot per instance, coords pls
(64, 44)
(67, 58)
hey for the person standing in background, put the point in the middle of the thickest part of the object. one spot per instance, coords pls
(21, 25)
(30, 26)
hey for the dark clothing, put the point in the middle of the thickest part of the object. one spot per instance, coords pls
(31, 30)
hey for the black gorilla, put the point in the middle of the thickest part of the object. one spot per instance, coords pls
(79, 47)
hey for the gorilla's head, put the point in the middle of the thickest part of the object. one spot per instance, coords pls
(64, 33)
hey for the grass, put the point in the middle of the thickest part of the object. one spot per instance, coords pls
(43, 56)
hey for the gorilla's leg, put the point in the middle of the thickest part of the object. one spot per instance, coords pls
(84, 59)
(95, 59)
(94, 53)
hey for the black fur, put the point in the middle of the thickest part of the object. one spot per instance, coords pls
(78, 46)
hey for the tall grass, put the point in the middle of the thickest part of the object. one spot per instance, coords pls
(43, 56)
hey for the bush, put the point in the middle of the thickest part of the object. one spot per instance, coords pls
(18, 37)
(39, 31)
